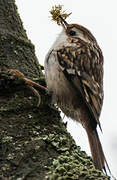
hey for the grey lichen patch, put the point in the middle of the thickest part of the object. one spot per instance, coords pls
(58, 141)
(5, 167)
(7, 139)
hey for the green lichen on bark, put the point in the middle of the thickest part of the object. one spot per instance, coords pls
(72, 163)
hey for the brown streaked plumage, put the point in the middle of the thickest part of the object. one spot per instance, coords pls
(74, 75)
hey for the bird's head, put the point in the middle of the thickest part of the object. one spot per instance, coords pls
(76, 31)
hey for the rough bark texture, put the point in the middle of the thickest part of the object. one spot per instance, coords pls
(34, 142)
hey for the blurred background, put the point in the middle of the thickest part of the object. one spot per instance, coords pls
(99, 17)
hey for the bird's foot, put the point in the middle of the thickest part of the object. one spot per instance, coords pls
(31, 84)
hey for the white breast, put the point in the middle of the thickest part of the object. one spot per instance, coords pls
(52, 69)
(55, 79)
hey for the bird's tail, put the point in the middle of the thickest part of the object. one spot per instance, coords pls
(96, 150)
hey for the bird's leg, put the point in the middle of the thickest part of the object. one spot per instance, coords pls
(31, 84)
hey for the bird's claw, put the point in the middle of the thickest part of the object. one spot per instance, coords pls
(31, 84)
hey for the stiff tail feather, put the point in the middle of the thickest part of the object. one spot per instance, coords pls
(96, 150)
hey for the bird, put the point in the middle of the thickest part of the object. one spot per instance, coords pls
(74, 76)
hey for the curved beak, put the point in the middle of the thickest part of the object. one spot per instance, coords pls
(64, 23)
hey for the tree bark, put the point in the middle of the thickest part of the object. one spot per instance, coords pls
(34, 142)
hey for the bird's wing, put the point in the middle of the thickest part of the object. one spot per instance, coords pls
(83, 67)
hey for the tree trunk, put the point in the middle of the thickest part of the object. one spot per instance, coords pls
(34, 142)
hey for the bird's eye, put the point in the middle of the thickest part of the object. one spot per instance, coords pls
(72, 33)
